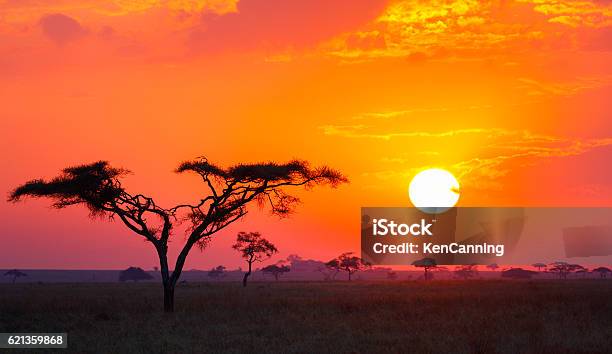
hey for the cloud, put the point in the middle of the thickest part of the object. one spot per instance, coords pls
(61, 28)
(450, 29)
(575, 13)
(497, 152)
(396, 114)
(412, 28)
(484, 172)
(282, 23)
(538, 88)
(359, 131)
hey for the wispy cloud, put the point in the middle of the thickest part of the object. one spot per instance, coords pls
(452, 29)
(539, 88)
(575, 13)
(499, 151)
(363, 131)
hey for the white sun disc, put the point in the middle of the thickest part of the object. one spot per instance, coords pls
(434, 190)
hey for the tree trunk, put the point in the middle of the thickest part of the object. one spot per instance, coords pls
(168, 298)
(167, 280)
(349, 275)
(246, 275)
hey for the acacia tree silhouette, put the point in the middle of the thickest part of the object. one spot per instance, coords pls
(229, 190)
(253, 248)
(539, 266)
(427, 264)
(15, 273)
(348, 263)
(276, 270)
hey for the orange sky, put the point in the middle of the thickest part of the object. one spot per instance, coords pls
(513, 97)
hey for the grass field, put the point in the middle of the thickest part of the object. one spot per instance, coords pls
(573, 316)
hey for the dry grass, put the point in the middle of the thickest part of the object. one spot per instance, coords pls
(360, 317)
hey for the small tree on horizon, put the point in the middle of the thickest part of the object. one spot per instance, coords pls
(253, 248)
(276, 270)
(229, 191)
(603, 271)
(349, 263)
(563, 269)
(539, 266)
(427, 264)
(15, 273)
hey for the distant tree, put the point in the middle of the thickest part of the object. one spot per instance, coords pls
(228, 193)
(539, 266)
(134, 274)
(217, 272)
(466, 271)
(349, 263)
(276, 270)
(391, 275)
(603, 271)
(253, 248)
(333, 267)
(329, 270)
(517, 273)
(427, 264)
(563, 269)
(493, 266)
(15, 274)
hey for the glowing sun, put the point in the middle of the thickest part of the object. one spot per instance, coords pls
(434, 190)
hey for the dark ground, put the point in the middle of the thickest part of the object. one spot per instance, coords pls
(477, 316)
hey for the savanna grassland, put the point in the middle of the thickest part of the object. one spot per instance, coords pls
(479, 316)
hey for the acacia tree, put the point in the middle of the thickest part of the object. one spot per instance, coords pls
(348, 263)
(253, 248)
(15, 273)
(427, 264)
(539, 266)
(564, 268)
(228, 192)
(276, 270)
(603, 271)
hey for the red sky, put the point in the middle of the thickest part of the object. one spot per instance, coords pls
(510, 96)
